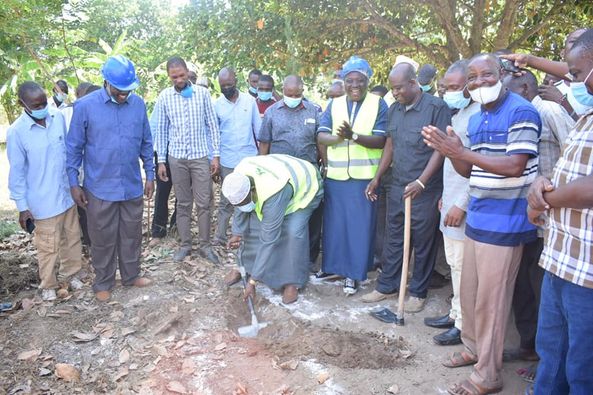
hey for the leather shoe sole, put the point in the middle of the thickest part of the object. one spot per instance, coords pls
(448, 338)
(443, 322)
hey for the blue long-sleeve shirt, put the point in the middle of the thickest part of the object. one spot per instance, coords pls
(37, 155)
(109, 139)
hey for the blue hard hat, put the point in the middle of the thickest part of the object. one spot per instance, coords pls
(356, 63)
(119, 71)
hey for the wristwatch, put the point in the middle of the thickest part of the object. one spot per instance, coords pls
(354, 136)
(252, 282)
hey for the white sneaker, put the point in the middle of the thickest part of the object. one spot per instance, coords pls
(48, 294)
(349, 286)
(76, 284)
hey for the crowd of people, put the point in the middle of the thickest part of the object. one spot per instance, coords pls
(497, 166)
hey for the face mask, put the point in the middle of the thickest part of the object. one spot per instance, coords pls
(425, 88)
(188, 91)
(229, 92)
(456, 100)
(39, 114)
(252, 90)
(113, 98)
(580, 92)
(264, 96)
(291, 102)
(486, 94)
(247, 208)
(60, 97)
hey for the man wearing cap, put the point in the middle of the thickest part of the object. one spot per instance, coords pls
(353, 129)
(108, 135)
(426, 78)
(274, 195)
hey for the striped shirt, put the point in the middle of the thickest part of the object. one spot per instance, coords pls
(496, 213)
(568, 252)
(186, 125)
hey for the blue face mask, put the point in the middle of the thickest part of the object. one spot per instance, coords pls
(39, 114)
(247, 208)
(264, 96)
(188, 91)
(291, 102)
(252, 90)
(425, 88)
(580, 92)
(456, 100)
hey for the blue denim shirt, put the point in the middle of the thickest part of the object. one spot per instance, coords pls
(37, 155)
(109, 139)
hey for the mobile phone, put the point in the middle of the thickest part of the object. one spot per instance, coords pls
(30, 225)
(509, 66)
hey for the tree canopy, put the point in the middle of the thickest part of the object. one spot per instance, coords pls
(46, 40)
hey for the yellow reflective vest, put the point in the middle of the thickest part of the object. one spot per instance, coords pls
(349, 159)
(270, 173)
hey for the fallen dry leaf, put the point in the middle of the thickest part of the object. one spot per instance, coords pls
(220, 347)
(30, 355)
(289, 365)
(81, 337)
(67, 372)
(62, 293)
(177, 387)
(124, 356)
(188, 366)
(122, 372)
(322, 377)
(44, 371)
(27, 303)
(394, 389)
(240, 389)
(406, 353)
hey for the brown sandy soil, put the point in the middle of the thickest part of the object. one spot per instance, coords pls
(180, 336)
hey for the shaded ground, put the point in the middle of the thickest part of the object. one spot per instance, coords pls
(179, 336)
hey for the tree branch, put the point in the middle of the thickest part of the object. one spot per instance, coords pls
(555, 9)
(507, 24)
(68, 51)
(477, 27)
(445, 13)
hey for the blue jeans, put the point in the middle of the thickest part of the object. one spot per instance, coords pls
(564, 338)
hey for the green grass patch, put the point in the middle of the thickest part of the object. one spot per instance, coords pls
(8, 228)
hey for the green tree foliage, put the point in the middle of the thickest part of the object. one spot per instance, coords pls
(50, 39)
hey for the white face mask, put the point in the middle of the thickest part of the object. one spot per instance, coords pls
(486, 94)
(247, 208)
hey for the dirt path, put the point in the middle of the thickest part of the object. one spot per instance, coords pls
(179, 336)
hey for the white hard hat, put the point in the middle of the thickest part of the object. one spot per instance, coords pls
(236, 187)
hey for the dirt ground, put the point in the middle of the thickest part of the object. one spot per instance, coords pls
(179, 336)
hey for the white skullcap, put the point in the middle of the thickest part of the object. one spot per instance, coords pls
(404, 59)
(235, 188)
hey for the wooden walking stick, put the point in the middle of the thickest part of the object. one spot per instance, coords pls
(403, 285)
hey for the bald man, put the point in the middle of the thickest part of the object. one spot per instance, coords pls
(289, 127)
(36, 147)
(501, 163)
(239, 121)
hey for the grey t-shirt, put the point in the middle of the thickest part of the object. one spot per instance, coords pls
(291, 131)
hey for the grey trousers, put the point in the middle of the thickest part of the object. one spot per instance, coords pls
(225, 209)
(192, 177)
(116, 231)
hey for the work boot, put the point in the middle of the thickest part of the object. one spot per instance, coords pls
(377, 296)
(232, 278)
(181, 253)
(414, 304)
(290, 294)
(103, 296)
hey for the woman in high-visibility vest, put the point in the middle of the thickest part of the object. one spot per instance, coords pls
(353, 129)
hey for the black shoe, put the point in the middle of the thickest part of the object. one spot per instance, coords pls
(440, 322)
(209, 254)
(448, 338)
(437, 281)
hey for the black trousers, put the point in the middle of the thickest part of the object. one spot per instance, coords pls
(424, 227)
(527, 293)
(315, 225)
(161, 205)
(86, 239)
(383, 192)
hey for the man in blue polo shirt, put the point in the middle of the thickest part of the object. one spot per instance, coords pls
(501, 163)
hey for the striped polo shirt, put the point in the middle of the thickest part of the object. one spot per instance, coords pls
(497, 210)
